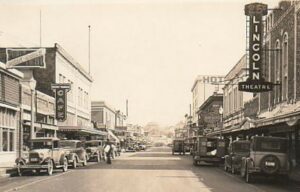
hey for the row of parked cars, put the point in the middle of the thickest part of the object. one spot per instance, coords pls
(51, 153)
(262, 155)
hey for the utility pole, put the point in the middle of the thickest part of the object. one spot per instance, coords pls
(89, 54)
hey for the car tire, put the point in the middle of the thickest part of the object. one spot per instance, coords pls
(195, 163)
(98, 158)
(84, 163)
(74, 163)
(225, 167)
(233, 170)
(50, 168)
(65, 165)
(249, 176)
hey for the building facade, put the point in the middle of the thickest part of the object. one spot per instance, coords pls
(9, 115)
(61, 67)
(203, 87)
(235, 105)
(209, 117)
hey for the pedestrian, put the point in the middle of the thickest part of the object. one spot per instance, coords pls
(108, 150)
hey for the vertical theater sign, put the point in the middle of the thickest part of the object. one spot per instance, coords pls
(255, 82)
(61, 91)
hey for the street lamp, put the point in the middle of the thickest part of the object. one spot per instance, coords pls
(32, 85)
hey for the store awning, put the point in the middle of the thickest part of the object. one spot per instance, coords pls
(81, 130)
(112, 135)
(42, 126)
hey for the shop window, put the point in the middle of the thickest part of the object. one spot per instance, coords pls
(5, 140)
(11, 141)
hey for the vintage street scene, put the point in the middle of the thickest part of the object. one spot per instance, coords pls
(150, 95)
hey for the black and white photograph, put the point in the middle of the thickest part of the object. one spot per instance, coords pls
(150, 95)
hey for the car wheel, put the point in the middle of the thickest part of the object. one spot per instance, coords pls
(50, 168)
(249, 176)
(232, 170)
(84, 163)
(19, 169)
(98, 158)
(225, 167)
(74, 164)
(195, 163)
(65, 165)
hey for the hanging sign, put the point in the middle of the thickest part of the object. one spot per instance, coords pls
(61, 100)
(255, 82)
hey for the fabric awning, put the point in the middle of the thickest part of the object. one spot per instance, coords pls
(81, 130)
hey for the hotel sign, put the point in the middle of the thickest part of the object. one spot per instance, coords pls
(61, 100)
(255, 82)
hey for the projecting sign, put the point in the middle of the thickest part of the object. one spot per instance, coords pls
(26, 58)
(255, 82)
(210, 79)
(61, 100)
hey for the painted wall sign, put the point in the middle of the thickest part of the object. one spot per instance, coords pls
(61, 100)
(255, 81)
(26, 58)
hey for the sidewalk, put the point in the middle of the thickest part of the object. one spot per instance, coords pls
(7, 170)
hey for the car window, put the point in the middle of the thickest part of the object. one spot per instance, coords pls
(55, 144)
(241, 147)
(66, 144)
(41, 145)
(78, 145)
(279, 146)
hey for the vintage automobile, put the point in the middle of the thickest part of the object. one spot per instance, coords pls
(268, 156)
(237, 150)
(44, 154)
(76, 152)
(178, 146)
(209, 150)
(94, 150)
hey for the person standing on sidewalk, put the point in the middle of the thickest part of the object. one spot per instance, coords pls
(108, 150)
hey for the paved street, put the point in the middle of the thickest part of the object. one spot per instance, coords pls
(153, 170)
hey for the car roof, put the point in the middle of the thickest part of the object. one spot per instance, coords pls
(71, 140)
(90, 141)
(39, 139)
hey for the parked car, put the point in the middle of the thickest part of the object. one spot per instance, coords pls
(44, 154)
(142, 147)
(268, 156)
(76, 152)
(178, 146)
(209, 150)
(237, 150)
(130, 149)
(95, 150)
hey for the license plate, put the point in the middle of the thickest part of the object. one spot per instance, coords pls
(270, 164)
(34, 159)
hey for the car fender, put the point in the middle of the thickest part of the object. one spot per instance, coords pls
(61, 159)
(20, 160)
(46, 160)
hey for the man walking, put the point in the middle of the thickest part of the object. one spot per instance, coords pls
(108, 150)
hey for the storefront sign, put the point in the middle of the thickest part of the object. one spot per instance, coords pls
(255, 81)
(61, 100)
(210, 79)
(26, 58)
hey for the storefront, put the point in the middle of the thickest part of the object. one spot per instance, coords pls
(9, 115)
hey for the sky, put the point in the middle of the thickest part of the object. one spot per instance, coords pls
(146, 51)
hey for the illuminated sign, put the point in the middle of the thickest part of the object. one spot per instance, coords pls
(26, 58)
(61, 100)
(255, 82)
